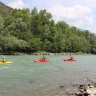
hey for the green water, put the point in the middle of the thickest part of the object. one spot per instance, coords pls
(26, 78)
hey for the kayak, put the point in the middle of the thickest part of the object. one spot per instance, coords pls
(70, 60)
(41, 61)
(7, 62)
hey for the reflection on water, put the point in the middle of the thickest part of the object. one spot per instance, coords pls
(27, 78)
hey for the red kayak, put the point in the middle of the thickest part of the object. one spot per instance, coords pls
(41, 61)
(70, 60)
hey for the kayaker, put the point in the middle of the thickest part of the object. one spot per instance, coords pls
(43, 57)
(3, 59)
(71, 57)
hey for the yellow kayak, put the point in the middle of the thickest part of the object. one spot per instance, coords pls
(7, 62)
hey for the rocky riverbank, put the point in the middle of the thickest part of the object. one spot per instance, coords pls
(42, 53)
(87, 86)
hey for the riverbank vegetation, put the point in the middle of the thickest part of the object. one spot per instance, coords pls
(31, 31)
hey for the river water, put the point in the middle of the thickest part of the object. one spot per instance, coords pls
(26, 78)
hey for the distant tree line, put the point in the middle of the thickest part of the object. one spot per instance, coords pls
(34, 31)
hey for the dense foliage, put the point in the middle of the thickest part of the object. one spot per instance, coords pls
(33, 31)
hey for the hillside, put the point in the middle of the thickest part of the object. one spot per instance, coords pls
(5, 10)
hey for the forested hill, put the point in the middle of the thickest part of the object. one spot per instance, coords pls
(35, 31)
(5, 10)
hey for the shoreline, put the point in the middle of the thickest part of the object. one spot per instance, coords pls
(43, 53)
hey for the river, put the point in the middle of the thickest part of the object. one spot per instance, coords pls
(26, 78)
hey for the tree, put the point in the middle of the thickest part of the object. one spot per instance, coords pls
(35, 44)
(1, 24)
(12, 44)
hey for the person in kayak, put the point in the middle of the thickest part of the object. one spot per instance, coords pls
(43, 57)
(3, 59)
(71, 57)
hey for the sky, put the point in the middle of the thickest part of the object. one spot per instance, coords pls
(78, 13)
